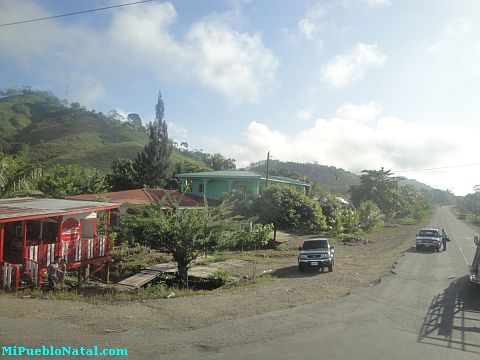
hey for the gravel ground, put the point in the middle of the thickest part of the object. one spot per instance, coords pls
(356, 266)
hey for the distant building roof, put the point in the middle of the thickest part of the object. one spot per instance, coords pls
(234, 174)
(238, 174)
(286, 180)
(147, 196)
(16, 209)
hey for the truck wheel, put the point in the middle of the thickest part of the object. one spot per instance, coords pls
(330, 268)
(301, 268)
(418, 247)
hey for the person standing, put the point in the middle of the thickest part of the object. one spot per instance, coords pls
(444, 239)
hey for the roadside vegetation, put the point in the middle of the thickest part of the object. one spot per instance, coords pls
(239, 228)
(468, 207)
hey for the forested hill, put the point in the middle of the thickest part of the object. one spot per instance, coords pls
(332, 179)
(338, 181)
(45, 131)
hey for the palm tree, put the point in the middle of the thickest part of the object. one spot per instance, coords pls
(15, 181)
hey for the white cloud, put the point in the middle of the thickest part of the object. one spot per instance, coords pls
(86, 89)
(376, 2)
(213, 54)
(349, 4)
(355, 145)
(455, 33)
(235, 64)
(304, 114)
(362, 112)
(351, 66)
(312, 23)
(177, 132)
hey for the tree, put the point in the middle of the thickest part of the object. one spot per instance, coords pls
(331, 208)
(16, 178)
(253, 236)
(183, 233)
(153, 163)
(65, 180)
(381, 187)
(288, 208)
(351, 220)
(123, 176)
(218, 163)
(135, 120)
(370, 215)
(476, 190)
(414, 203)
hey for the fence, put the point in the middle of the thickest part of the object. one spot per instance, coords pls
(71, 251)
(9, 276)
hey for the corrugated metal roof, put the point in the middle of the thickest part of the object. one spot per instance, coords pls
(129, 197)
(24, 208)
(146, 196)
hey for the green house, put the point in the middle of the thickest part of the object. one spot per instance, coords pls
(214, 184)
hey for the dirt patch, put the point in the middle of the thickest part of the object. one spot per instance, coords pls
(356, 266)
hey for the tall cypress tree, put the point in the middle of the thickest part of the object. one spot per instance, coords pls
(153, 163)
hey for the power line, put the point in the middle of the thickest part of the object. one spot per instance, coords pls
(438, 168)
(75, 13)
(427, 169)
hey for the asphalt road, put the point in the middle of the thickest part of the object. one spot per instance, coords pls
(426, 309)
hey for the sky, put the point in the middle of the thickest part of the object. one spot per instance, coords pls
(355, 84)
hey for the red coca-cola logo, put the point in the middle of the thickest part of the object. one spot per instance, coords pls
(71, 229)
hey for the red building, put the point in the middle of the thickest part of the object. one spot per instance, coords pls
(34, 231)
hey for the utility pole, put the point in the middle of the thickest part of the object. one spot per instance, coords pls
(268, 163)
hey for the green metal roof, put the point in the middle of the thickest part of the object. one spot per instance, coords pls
(238, 174)
(221, 174)
(286, 180)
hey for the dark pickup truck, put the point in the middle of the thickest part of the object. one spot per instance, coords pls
(429, 239)
(316, 253)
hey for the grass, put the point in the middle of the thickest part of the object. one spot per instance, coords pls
(154, 291)
(127, 261)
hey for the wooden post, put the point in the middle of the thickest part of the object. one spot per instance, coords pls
(80, 226)
(107, 234)
(87, 272)
(2, 238)
(108, 272)
(58, 249)
(40, 274)
(79, 276)
(17, 278)
(24, 242)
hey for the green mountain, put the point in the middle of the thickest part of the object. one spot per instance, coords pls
(338, 181)
(332, 179)
(45, 132)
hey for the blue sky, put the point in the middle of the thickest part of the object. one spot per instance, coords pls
(356, 84)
